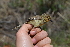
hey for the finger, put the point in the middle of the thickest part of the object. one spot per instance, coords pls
(43, 42)
(35, 31)
(48, 45)
(22, 37)
(39, 36)
(25, 28)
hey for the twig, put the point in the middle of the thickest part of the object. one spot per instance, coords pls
(68, 2)
(18, 17)
(48, 11)
(9, 35)
(63, 17)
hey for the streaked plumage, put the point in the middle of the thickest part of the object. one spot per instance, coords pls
(37, 20)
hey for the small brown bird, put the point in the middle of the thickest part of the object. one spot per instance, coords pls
(37, 20)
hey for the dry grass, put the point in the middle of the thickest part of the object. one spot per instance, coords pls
(16, 12)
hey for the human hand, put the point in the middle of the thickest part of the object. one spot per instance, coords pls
(36, 37)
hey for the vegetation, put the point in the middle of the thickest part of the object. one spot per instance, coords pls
(16, 12)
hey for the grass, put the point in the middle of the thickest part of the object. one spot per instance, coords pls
(60, 40)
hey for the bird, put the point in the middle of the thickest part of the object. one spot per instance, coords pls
(37, 20)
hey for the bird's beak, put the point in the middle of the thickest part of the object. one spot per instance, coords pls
(51, 20)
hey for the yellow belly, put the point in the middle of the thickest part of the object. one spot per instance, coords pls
(36, 23)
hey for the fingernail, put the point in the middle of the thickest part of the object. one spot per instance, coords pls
(35, 46)
(34, 40)
(32, 33)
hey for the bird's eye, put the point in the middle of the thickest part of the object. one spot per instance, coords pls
(48, 17)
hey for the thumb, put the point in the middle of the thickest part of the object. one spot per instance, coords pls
(23, 39)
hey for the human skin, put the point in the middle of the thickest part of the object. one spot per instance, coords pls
(36, 37)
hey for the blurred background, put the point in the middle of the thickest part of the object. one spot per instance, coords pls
(16, 12)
